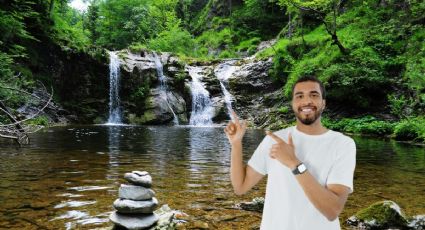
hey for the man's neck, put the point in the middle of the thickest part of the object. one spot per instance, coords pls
(314, 129)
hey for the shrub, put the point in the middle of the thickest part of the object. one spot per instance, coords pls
(365, 125)
(410, 129)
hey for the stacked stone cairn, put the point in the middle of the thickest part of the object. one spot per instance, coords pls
(136, 203)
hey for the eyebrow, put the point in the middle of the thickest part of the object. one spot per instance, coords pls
(314, 91)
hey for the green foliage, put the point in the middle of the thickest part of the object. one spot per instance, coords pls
(68, 27)
(411, 129)
(283, 109)
(415, 60)
(400, 105)
(121, 23)
(39, 120)
(365, 125)
(215, 40)
(137, 47)
(5, 66)
(140, 94)
(174, 40)
(249, 46)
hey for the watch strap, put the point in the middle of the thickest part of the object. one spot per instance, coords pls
(300, 169)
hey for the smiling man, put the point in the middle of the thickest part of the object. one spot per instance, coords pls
(310, 168)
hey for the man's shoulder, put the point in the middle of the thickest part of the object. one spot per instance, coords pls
(342, 138)
(284, 131)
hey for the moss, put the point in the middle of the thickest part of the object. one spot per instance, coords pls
(382, 214)
(148, 117)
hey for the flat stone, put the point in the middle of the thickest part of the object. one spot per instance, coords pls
(133, 221)
(134, 192)
(133, 206)
(139, 178)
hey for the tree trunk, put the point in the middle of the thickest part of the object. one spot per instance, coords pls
(338, 43)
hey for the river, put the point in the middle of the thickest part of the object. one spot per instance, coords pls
(68, 177)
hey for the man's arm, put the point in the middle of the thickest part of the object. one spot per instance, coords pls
(328, 200)
(243, 177)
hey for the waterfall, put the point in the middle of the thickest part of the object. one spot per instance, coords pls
(163, 85)
(202, 110)
(223, 72)
(114, 83)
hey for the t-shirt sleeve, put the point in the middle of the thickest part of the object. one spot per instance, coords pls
(342, 171)
(258, 160)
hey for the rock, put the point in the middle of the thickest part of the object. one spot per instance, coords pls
(139, 178)
(133, 206)
(133, 221)
(134, 192)
(257, 205)
(200, 225)
(380, 215)
(417, 222)
(168, 218)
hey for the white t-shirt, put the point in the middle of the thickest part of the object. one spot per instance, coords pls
(329, 157)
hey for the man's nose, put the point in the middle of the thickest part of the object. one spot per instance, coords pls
(306, 101)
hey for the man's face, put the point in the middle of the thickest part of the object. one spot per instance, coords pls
(307, 102)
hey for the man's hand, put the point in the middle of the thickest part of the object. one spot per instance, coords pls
(235, 130)
(283, 152)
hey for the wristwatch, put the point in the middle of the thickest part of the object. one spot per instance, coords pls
(300, 169)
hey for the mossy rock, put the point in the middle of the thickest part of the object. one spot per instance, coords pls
(147, 117)
(380, 215)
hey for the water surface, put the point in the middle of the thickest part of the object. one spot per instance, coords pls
(68, 177)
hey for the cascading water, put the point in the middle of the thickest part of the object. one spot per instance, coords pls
(114, 82)
(163, 85)
(202, 110)
(223, 72)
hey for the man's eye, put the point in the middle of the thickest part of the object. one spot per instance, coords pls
(315, 95)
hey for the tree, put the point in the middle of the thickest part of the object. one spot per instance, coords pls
(18, 129)
(324, 10)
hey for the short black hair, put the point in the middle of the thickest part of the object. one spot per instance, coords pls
(313, 79)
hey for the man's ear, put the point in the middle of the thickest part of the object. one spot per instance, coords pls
(324, 103)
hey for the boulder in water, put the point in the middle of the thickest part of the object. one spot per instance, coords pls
(380, 215)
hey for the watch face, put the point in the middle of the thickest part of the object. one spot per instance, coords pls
(302, 168)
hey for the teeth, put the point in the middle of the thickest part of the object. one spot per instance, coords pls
(307, 110)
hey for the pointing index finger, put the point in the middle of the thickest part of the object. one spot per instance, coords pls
(274, 137)
(235, 117)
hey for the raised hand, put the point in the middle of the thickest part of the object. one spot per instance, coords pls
(283, 152)
(235, 130)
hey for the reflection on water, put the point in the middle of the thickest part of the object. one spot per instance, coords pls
(69, 176)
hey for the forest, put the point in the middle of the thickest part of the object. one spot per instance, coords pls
(370, 54)
(101, 96)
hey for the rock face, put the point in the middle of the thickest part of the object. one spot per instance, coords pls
(136, 203)
(380, 215)
(144, 100)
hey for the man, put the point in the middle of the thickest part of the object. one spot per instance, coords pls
(310, 168)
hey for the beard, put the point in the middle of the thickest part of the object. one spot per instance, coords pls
(310, 118)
